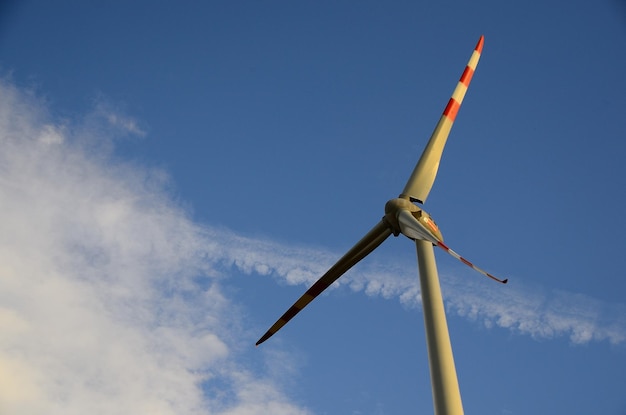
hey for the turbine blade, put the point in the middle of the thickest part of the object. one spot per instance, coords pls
(423, 176)
(466, 262)
(371, 241)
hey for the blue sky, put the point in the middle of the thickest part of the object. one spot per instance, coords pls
(173, 176)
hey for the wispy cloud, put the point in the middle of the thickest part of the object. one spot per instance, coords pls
(537, 312)
(109, 301)
(520, 308)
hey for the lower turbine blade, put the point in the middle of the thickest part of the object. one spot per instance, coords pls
(469, 264)
(371, 241)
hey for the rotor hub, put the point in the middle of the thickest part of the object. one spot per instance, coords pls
(404, 217)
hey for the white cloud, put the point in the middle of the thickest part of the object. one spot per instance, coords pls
(100, 306)
(125, 123)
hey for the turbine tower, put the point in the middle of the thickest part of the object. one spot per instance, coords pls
(404, 216)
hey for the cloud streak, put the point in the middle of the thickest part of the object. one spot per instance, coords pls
(111, 298)
(517, 307)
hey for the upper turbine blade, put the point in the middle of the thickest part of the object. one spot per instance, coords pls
(375, 237)
(423, 176)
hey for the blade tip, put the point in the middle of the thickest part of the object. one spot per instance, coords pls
(262, 339)
(479, 45)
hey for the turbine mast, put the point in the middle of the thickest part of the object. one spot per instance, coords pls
(443, 379)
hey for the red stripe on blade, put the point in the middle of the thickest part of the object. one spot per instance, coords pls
(452, 109)
(467, 76)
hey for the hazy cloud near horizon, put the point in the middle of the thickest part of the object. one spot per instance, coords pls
(111, 298)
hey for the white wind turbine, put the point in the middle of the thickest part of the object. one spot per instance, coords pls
(403, 216)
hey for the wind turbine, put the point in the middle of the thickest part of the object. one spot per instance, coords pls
(403, 216)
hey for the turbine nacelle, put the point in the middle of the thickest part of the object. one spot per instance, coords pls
(404, 217)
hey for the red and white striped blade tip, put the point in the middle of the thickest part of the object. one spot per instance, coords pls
(469, 264)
